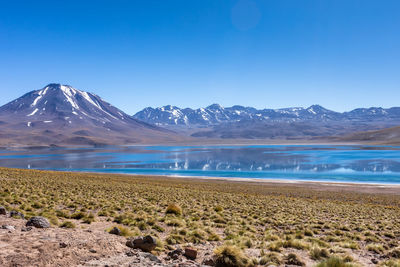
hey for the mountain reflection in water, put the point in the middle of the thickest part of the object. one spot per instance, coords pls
(306, 162)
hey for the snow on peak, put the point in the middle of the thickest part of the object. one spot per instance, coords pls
(70, 94)
(311, 110)
(89, 99)
(41, 93)
(68, 90)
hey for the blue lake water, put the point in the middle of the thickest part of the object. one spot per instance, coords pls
(362, 164)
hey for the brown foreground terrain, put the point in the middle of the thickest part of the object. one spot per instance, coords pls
(227, 222)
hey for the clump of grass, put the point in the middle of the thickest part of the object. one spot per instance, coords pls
(318, 253)
(174, 239)
(295, 243)
(218, 208)
(293, 259)
(334, 262)
(174, 209)
(390, 263)
(175, 222)
(68, 224)
(78, 215)
(125, 231)
(248, 243)
(230, 256)
(89, 218)
(308, 232)
(377, 248)
(275, 246)
(53, 220)
(197, 236)
(351, 245)
(63, 214)
(158, 228)
(395, 253)
(271, 258)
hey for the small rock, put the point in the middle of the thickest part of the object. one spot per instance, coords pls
(175, 253)
(38, 222)
(115, 231)
(150, 257)
(26, 229)
(130, 253)
(8, 227)
(147, 243)
(3, 211)
(63, 245)
(190, 253)
(209, 261)
(374, 261)
(15, 213)
(92, 250)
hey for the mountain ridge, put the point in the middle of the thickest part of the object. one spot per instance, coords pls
(215, 113)
(295, 123)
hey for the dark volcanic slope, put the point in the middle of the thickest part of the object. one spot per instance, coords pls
(60, 114)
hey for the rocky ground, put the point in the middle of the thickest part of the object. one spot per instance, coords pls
(83, 246)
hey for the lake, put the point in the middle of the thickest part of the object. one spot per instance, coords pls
(360, 164)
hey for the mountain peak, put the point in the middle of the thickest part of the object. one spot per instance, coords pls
(56, 85)
(61, 87)
(69, 110)
(317, 109)
(63, 100)
(215, 106)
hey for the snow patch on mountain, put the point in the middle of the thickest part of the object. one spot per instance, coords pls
(33, 112)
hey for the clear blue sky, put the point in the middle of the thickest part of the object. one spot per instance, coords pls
(192, 53)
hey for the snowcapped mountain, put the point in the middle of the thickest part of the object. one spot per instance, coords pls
(63, 103)
(216, 114)
(62, 114)
(216, 121)
(211, 115)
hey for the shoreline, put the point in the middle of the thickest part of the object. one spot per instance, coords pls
(228, 179)
(241, 142)
(371, 188)
(258, 180)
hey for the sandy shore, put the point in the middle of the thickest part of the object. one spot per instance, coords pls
(372, 188)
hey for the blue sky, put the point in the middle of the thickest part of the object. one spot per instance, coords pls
(192, 53)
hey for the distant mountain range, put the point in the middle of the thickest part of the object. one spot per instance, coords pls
(216, 114)
(313, 122)
(61, 114)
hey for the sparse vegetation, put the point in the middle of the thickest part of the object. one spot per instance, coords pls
(68, 224)
(285, 224)
(230, 256)
(174, 209)
(335, 262)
